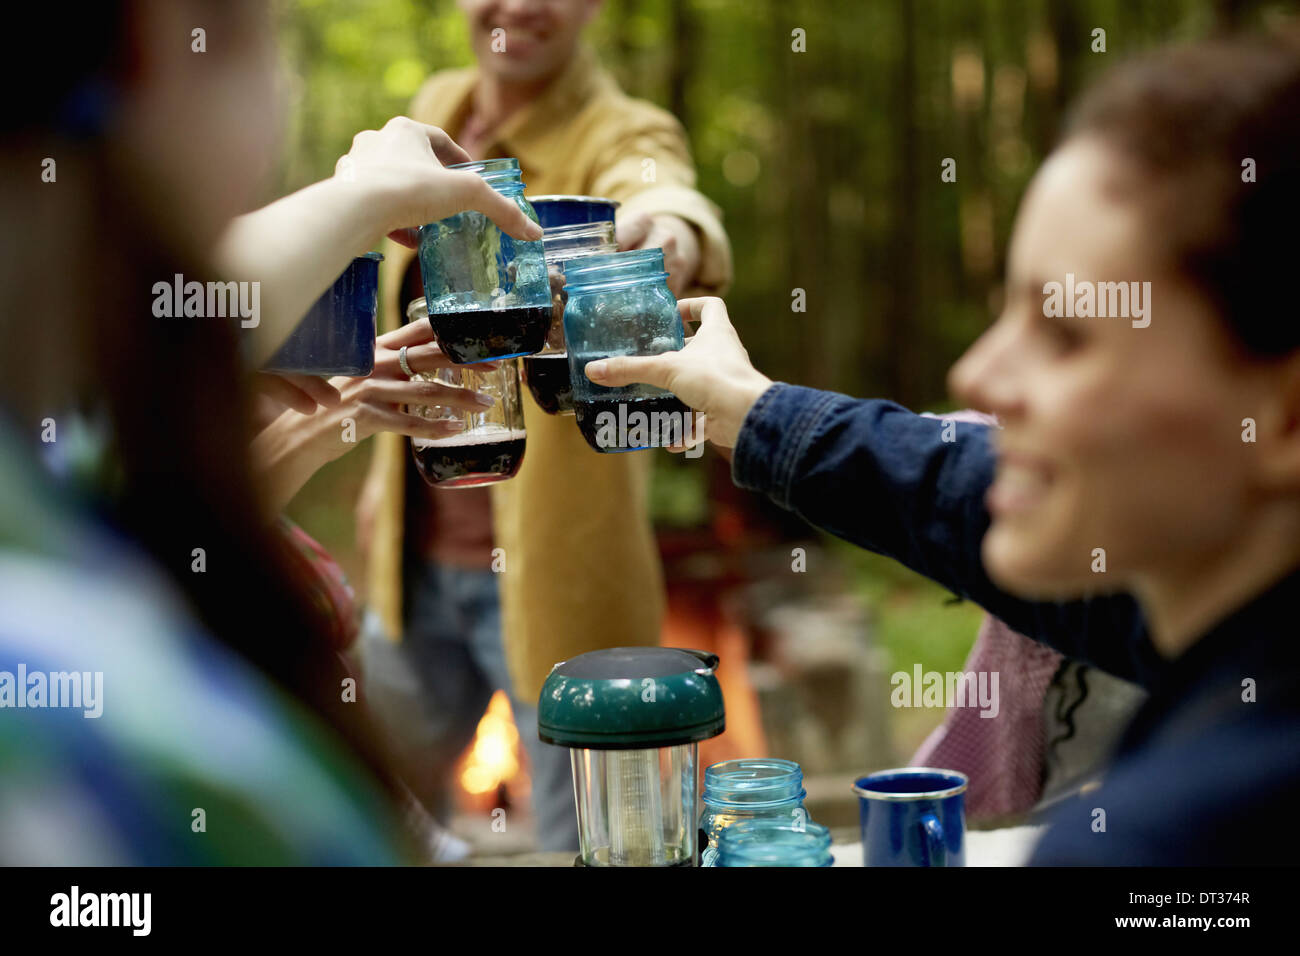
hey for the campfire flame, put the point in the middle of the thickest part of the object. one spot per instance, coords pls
(493, 758)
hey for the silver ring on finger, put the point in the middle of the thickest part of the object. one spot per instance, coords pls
(401, 360)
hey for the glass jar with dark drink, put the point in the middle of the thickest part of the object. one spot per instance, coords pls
(547, 372)
(488, 295)
(619, 304)
(491, 448)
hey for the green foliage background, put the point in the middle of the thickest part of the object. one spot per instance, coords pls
(826, 162)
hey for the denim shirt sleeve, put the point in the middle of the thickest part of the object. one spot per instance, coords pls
(882, 477)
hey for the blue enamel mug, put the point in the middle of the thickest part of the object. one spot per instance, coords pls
(337, 336)
(555, 211)
(915, 816)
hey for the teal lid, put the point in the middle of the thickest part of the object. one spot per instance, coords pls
(626, 698)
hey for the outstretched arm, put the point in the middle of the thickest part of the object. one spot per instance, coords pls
(392, 181)
(875, 474)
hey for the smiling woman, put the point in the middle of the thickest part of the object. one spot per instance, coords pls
(1120, 464)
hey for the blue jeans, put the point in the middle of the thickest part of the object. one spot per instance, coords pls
(434, 687)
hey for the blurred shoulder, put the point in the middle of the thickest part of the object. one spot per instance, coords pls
(630, 114)
(1191, 802)
(114, 698)
(441, 94)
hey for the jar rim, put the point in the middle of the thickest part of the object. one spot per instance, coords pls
(586, 200)
(561, 244)
(753, 783)
(504, 164)
(751, 773)
(420, 306)
(577, 230)
(614, 267)
(503, 175)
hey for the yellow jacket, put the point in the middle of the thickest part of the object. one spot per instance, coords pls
(581, 570)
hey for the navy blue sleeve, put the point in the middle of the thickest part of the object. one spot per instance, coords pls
(873, 473)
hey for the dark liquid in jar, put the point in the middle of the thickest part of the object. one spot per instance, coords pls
(480, 335)
(547, 375)
(652, 425)
(466, 461)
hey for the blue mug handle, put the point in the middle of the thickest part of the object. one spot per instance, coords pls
(934, 852)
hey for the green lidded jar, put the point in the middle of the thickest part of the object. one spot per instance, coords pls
(633, 718)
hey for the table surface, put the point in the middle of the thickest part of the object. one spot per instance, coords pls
(1010, 846)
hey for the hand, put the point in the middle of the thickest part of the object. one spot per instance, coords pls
(712, 374)
(405, 163)
(273, 393)
(295, 445)
(422, 352)
(677, 238)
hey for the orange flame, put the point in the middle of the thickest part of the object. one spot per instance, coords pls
(493, 757)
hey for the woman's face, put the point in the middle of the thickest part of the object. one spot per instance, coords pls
(200, 127)
(1119, 443)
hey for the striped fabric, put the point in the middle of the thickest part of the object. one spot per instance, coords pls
(1002, 755)
(195, 758)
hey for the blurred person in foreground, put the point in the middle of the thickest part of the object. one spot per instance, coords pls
(581, 568)
(166, 692)
(1161, 438)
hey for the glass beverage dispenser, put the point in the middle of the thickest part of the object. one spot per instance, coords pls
(633, 718)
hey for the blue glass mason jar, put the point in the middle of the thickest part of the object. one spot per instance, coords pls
(487, 293)
(749, 789)
(547, 372)
(774, 843)
(619, 304)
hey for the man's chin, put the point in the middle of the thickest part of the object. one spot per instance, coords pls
(517, 69)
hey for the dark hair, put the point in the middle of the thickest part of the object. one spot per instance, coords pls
(176, 394)
(1191, 116)
(176, 397)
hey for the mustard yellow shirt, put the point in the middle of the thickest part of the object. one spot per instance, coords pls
(581, 569)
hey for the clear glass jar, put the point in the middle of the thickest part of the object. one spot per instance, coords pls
(487, 293)
(619, 304)
(749, 789)
(491, 448)
(771, 842)
(636, 807)
(547, 373)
